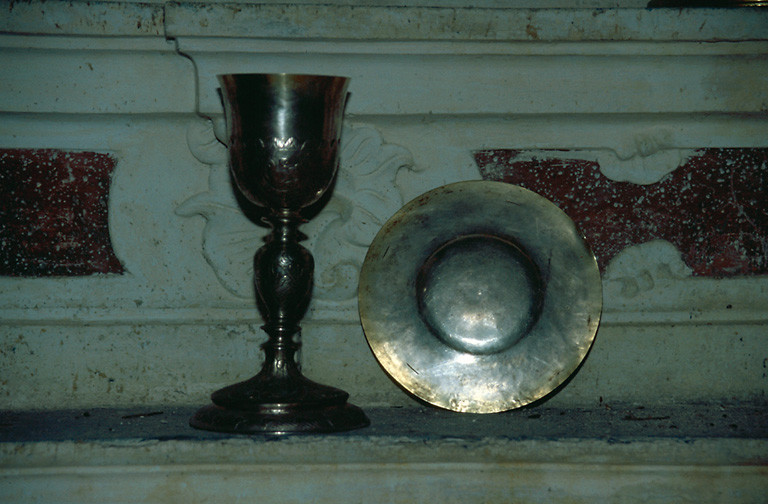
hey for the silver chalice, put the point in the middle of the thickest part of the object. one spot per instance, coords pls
(283, 135)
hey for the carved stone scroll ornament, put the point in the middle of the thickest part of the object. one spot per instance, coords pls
(640, 269)
(364, 197)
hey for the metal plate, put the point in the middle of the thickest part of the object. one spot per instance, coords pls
(480, 297)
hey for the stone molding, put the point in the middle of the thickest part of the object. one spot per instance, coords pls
(596, 20)
(618, 453)
(487, 79)
(355, 22)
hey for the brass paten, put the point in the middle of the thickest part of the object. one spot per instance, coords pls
(480, 297)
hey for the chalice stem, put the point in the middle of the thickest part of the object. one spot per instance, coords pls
(283, 272)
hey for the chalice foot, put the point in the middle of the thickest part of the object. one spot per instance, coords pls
(311, 408)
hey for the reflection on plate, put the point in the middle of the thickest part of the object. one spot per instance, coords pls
(480, 297)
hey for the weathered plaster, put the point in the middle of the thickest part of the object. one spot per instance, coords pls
(53, 215)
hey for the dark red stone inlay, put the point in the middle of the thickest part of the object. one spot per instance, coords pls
(714, 208)
(53, 213)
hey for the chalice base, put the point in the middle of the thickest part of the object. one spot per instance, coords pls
(266, 405)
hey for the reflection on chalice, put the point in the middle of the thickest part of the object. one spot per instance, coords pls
(283, 136)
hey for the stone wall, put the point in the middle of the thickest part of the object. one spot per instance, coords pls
(126, 259)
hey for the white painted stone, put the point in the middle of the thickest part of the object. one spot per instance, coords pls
(503, 77)
(100, 76)
(181, 361)
(286, 20)
(97, 18)
(389, 483)
(380, 468)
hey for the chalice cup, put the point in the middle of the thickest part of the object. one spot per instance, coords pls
(283, 135)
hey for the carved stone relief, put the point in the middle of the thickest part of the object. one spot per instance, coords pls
(640, 269)
(365, 195)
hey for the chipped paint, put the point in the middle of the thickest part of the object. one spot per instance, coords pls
(54, 213)
(712, 208)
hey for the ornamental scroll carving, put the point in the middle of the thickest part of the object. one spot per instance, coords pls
(365, 195)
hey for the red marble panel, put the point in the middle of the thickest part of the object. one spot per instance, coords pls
(714, 208)
(53, 213)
